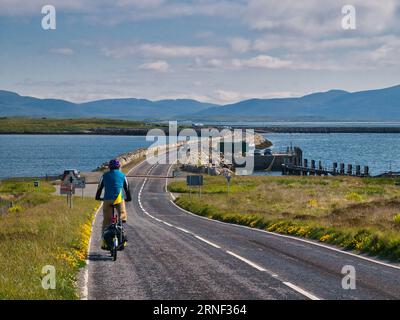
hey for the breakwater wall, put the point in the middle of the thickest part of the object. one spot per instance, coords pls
(327, 129)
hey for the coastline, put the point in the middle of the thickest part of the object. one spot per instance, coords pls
(260, 130)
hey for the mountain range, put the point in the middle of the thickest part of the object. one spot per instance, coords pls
(371, 105)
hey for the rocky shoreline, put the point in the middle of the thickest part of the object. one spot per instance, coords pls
(194, 166)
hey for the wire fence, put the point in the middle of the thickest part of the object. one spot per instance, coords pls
(47, 177)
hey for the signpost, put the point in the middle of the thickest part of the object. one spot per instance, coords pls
(80, 184)
(71, 180)
(228, 178)
(194, 181)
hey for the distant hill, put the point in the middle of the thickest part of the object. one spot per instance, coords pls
(372, 105)
(12, 104)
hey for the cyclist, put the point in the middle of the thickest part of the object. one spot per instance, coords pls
(114, 184)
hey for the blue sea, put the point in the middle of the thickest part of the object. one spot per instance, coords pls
(381, 152)
(38, 155)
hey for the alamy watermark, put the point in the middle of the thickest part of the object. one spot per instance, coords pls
(349, 280)
(49, 277)
(49, 20)
(349, 20)
(202, 147)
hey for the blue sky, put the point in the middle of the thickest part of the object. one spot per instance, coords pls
(214, 51)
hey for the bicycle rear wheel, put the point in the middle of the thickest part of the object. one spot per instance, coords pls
(115, 248)
(114, 254)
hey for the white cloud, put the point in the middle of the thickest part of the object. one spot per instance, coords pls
(162, 51)
(316, 19)
(263, 61)
(159, 66)
(260, 62)
(240, 45)
(180, 51)
(228, 96)
(62, 51)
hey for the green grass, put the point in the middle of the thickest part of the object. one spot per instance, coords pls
(30, 125)
(356, 214)
(44, 231)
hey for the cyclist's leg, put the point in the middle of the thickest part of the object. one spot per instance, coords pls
(122, 210)
(107, 214)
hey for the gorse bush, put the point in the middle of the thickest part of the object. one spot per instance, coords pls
(354, 196)
(15, 209)
(396, 218)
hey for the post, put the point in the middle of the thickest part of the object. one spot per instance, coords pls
(70, 197)
(335, 166)
(342, 168)
(319, 167)
(350, 169)
(358, 170)
(313, 167)
(305, 167)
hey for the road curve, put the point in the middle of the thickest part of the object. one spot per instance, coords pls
(172, 254)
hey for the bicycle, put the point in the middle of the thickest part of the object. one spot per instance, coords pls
(114, 235)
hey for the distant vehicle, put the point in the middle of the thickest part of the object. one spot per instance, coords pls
(72, 172)
(262, 152)
(197, 125)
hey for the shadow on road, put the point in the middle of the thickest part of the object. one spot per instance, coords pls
(99, 257)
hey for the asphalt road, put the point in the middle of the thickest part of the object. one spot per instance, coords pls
(173, 254)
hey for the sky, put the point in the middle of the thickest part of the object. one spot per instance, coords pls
(217, 51)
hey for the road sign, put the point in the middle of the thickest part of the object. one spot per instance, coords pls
(36, 184)
(70, 180)
(80, 183)
(194, 180)
(67, 188)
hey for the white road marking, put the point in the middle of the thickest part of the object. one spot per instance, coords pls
(208, 242)
(168, 224)
(292, 238)
(85, 288)
(254, 265)
(184, 230)
(301, 291)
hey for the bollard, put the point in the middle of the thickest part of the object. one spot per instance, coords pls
(305, 167)
(350, 169)
(342, 168)
(335, 166)
(312, 167)
(320, 167)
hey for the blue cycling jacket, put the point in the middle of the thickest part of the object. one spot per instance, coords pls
(113, 182)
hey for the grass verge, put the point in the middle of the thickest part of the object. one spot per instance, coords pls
(40, 230)
(36, 125)
(352, 213)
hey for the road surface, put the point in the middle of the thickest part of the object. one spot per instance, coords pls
(173, 254)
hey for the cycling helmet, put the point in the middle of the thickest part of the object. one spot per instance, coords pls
(114, 164)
